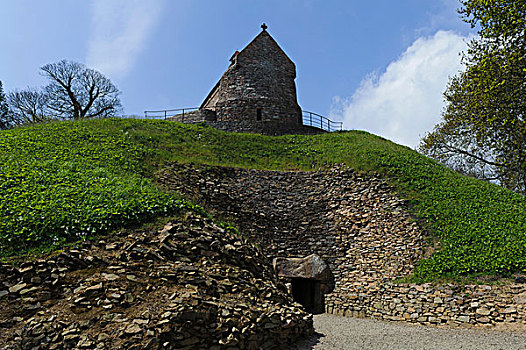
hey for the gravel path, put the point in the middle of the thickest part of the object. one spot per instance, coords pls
(335, 332)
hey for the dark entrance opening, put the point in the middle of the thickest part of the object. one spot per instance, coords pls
(258, 114)
(307, 292)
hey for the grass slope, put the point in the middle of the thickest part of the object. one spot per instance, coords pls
(64, 181)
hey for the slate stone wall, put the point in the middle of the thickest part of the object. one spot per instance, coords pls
(270, 127)
(452, 304)
(266, 127)
(357, 224)
(190, 285)
(353, 221)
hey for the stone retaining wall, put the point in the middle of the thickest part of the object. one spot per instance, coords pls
(435, 304)
(265, 127)
(357, 224)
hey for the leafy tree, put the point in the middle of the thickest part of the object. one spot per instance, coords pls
(4, 109)
(483, 131)
(28, 106)
(77, 92)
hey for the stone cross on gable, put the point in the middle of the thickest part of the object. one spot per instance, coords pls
(264, 27)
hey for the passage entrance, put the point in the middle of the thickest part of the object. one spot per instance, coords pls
(308, 279)
(307, 292)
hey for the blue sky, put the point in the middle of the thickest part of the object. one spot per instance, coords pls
(378, 65)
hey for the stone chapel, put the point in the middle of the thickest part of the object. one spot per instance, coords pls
(257, 93)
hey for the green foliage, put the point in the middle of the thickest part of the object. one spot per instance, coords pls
(498, 19)
(68, 180)
(481, 226)
(484, 130)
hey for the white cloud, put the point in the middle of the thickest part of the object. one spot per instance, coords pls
(445, 15)
(405, 101)
(118, 33)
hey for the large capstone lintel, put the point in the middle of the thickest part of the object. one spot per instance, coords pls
(308, 279)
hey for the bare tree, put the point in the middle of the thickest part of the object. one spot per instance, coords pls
(78, 92)
(28, 106)
(4, 109)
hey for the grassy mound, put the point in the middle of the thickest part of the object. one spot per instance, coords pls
(65, 180)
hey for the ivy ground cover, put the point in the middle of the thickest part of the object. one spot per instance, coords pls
(66, 181)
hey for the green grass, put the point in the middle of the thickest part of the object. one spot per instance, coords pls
(63, 181)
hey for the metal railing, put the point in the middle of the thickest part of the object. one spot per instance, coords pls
(308, 118)
(168, 113)
(130, 116)
(321, 122)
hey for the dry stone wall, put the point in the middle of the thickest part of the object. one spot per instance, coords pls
(358, 225)
(190, 285)
(267, 127)
(272, 128)
(450, 304)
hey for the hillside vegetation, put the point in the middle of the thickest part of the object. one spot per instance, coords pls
(63, 182)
